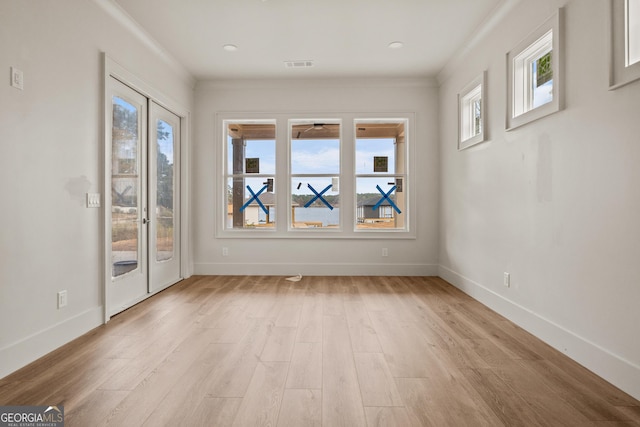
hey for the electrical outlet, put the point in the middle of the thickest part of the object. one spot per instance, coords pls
(225, 251)
(507, 280)
(17, 78)
(385, 252)
(62, 299)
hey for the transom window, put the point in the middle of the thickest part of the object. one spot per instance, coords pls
(471, 112)
(624, 42)
(534, 77)
(632, 31)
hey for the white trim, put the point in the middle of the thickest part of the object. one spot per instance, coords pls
(493, 19)
(117, 71)
(347, 188)
(518, 78)
(315, 269)
(19, 354)
(632, 32)
(428, 82)
(613, 368)
(619, 74)
(123, 18)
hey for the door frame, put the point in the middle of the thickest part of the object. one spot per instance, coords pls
(112, 69)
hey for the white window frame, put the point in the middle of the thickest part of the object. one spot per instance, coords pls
(229, 174)
(283, 178)
(405, 177)
(468, 96)
(547, 37)
(291, 175)
(621, 30)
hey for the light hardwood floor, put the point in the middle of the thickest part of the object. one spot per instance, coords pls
(325, 351)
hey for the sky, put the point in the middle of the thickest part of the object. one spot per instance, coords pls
(166, 145)
(321, 157)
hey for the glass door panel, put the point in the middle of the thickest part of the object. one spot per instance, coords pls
(164, 197)
(126, 213)
(165, 185)
(125, 187)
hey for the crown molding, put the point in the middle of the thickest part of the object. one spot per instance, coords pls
(489, 23)
(121, 16)
(321, 83)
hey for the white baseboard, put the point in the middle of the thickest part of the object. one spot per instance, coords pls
(288, 269)
(21, 353)
(620, 372)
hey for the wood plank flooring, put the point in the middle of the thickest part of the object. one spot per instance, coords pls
(325, 351)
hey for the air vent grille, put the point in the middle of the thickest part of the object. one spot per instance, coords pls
(298, 64)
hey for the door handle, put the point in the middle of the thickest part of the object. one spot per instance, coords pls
(146, 221)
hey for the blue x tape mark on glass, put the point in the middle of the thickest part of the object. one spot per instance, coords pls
(386, 196)
(319, 196)
(255, 196)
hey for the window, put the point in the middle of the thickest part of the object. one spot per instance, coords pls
(315, 174)
(250, 175)
(625, 42)
(471, 113)
(632, 31)
(534, 87)
(381, 177)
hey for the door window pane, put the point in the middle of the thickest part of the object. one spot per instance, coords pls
(165, 191)
(125, 187)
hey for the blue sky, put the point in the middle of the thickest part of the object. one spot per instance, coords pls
(320, 157)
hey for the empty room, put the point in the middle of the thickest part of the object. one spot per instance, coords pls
(320, 213)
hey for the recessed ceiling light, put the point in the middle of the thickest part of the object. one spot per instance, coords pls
(395, 45)
(230, 47)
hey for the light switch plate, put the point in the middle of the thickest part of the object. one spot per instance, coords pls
(93, 200)
(17, 78)
(62, 299)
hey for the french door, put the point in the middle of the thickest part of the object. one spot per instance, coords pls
(143, 210)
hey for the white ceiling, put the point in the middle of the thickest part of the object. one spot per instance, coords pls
(344, 38)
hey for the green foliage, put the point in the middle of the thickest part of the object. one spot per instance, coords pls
(544, 70)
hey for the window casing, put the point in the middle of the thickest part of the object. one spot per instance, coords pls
(316, 168)
(381, 175)
(624, 42)
(535, 74)
(249, 201)
(632, 31)
(472, 112)
(315, 174)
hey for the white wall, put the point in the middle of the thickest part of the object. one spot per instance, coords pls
(315, 256)
(50, 156)
(555, 203)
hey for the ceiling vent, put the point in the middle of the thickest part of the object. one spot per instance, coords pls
(298, 64)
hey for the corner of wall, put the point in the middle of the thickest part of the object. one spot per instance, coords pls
(21, 353)
(622, 373)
